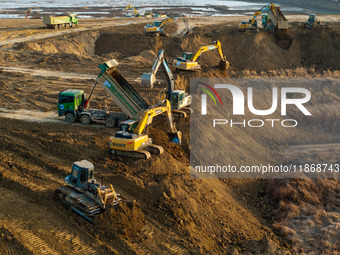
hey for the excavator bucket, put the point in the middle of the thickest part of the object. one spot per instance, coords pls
(224, 65)
(175, 137)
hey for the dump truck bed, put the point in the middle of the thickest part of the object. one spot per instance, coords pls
(54, 20)
(123, 94)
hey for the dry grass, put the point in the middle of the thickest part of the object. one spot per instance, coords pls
(308, 214)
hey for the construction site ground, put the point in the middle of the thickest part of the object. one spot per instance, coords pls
(182, 215)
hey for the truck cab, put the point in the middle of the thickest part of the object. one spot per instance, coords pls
(70, 101)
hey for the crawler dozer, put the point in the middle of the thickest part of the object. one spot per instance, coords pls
(83, 194)
(189, 60)
(313, 22)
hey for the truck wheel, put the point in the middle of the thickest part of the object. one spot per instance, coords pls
(69, 117)
(85, 119)
(110, 122)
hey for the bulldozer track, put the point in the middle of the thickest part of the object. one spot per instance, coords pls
(72, 198)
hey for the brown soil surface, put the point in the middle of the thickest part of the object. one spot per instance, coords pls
(175, 214)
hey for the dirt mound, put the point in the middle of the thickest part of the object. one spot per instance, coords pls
(259, 51)
(80, 45)
(146, 57)
(126, 219)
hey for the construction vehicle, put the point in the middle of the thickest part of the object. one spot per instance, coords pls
(157, 28)
(64, 20)
(83, 194)
(179, 100)
(130, 7)
(148, 14)
(73, 105)
(189, 60)
(132, 139)
(272, 21)
(159, 15)
(313, 22)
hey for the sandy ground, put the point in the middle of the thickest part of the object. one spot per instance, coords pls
(182, 215)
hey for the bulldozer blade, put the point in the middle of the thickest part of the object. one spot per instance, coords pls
(175, 137)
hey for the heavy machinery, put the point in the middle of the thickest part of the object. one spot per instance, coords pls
(73, 105)
(272, 21)
(313, 22)
(130, 7)
(83, 194)
(189, 60)
(179, 100)
(132, 140)
(157, 28)
(64, 20)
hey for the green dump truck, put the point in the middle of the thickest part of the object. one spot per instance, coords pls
(60, 21)
(72, 105)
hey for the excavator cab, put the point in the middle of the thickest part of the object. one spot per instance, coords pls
(81, 174)
(157, 23)
(179, 99)
(187, 55)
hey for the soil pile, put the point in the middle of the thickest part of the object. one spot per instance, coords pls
(125, 219)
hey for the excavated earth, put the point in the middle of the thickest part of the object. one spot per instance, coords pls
(171, 213)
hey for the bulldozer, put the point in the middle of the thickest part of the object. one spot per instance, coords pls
(313, 22)
(189, 60)
(83, 194)
(179, 100)
(132, 139)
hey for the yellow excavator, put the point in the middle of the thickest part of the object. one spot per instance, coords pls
(132, 139)
(272, 21)
(189, 60)
(130, 7)
(157, 28)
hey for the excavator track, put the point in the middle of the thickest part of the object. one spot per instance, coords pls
(155, 149)
(178, 114)
(78, 202)
(141, 154)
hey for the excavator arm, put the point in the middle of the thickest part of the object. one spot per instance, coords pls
(264, 9)
(132, 8)
(147, 117)
(224, 64)
(148, 79)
